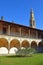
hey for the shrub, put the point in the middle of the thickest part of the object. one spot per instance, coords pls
(25, 52)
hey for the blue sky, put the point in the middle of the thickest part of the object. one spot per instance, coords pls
(19, 11)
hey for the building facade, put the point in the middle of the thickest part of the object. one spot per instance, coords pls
(14, 36)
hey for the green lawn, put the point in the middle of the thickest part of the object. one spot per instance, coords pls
(36, 59)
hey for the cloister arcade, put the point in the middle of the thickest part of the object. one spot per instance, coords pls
(14, 45)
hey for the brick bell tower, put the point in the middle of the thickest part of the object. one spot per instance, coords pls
(32, 19)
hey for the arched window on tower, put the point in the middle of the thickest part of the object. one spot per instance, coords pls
(33, 23)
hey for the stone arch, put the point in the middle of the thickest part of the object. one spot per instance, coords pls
(40, 46)
(15, 43)
(3, 42)
(25, 44)
(34, 44)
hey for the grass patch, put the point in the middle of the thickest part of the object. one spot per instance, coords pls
(36, 59)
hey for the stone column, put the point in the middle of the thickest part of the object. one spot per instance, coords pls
(29, 33)
(36, 34)
(20, 31)
(20, 37)
(9, 44)
(8, 31)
